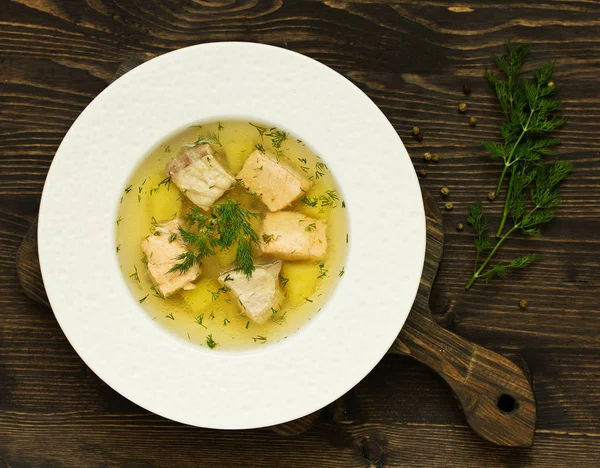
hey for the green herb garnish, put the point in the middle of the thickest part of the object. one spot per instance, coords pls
(210, 342)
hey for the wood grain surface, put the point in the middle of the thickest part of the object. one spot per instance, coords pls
(412, 59)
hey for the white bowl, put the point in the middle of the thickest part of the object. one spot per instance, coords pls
(144, 362)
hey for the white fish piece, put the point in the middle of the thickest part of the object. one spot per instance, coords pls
(257, 295)
(162, 249)
(288, 235)
(199, 175)
(276, 184)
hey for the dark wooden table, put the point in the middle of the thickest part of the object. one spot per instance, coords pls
(412, 59)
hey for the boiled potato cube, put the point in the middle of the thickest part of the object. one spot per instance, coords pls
(207, 298)
(163, 204)
(237, 153)
(302, 281)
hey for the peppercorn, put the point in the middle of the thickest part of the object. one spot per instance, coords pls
(427, 156)
(445, 191)
(466, 90)
(435, 158)
(523, 304)
(416, 131)
(459, 227)
(462, 108)
(419, 136)
(448, 206)
(550, 84)
(491, 196)
(472, 121)
(423, 173)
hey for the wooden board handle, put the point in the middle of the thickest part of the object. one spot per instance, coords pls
(495, 393)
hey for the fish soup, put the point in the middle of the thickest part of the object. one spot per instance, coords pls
(232, 234)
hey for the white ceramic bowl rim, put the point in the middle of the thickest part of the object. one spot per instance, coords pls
(163, 373)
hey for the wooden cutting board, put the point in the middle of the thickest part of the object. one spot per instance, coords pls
(495, 394)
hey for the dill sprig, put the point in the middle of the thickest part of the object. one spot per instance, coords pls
(228, 225)
(209, 138)
(530, 111)
(543, 187)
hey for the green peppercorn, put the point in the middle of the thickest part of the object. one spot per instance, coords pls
(523, 304)
(472, 121)
(416, 131)
(491, 196)
(462, 108)
(427, 156)
(445, 191)
(423, 173)
(550, 84)
(448, 206)
(459, 227)
(419, 136)
(435, 158)
(466, 89)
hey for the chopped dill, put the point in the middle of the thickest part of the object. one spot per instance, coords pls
(341, 273)
(311, 227)
(118, 248)
(170, 316)
(210, 342)
(320, 168)
(259, 339)
(261, 130)
(157, 293)
(308, 299)
(343, 204)
(135, 275)
(305, 168)
(226, 321)
(172, 237)
(199, 320)
(210, 139)
(277, 137)
(283, 281)
(128, 189)
(260, 147)
(144, 298)
(322, 271)
(247, 325)
(220, 127)
(227, 278)
(268, 238)
(119, 220)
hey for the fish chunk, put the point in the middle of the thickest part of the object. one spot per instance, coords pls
(292, 236)
(161, 250)
(198, 174)
(258, 295)
(276, 184)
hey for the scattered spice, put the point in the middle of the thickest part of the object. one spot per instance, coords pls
(448, 206)
(462, 108)
(435, 158)
(491, 196)
(427, 156)
(423, 173)
(445, 191)
(416, 131)
(466, 90)
(523, 304)
(472, 121)
(459, 227)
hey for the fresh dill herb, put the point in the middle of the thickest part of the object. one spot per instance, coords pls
(172, 238)
(247, 325)
(144, 260)
(199, 320)
(283, 281)
(220, 127)
(118, 248)
(261, 130)
(277, 137)
(260, 147)
(144, 298)
(346, 238)
(327, 199)
(343, 204)
(139, 198)
(166, 182)
(227, 278)
(341, 273)
(311, 227)
(157, 293)
(140, 189)
(320, 168)
(119, 220)
(278, 319)
(210, 138)
(260, 339)
(302, 160)
(226, 321)
(212, 316)
(128, 189)
(135, 275)
(170, 316)
(167, 149)
(305, 168)
(308, 299)
(268, 238)
(214, 295)
(527, 215)
(210, 342)
(322, 271)
(530, 111)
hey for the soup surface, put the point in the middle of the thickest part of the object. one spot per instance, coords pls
(232, 234)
